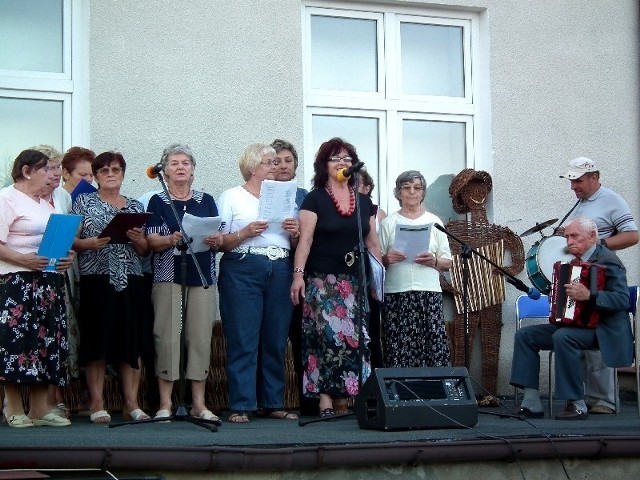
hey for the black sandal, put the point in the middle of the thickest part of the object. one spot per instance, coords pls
(327, 412)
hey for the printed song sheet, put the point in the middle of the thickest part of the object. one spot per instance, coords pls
(412, 240)
(277, 201)
(199, 228)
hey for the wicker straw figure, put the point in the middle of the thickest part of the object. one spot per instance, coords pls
(469, 192)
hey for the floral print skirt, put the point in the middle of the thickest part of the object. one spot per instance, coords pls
(330, 339)
(413, 331)
(33, 328)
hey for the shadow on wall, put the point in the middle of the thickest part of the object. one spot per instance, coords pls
(438, 201)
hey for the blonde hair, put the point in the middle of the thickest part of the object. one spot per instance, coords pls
(49, 151)
(252, 156)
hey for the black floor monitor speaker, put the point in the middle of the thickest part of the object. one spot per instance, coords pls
(417, 398)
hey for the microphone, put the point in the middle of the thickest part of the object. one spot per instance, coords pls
(154, 170)
(345, 173)
(532, 293)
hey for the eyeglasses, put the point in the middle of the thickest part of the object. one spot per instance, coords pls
(107, 170)
(268, 163)
(336, 159)
(52, 168)
(409, 188)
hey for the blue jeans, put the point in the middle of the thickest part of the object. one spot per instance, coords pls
(256, 312)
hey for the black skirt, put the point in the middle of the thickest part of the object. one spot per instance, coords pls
(112, 324)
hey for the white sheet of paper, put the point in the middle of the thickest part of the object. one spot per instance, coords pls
(377, 277)
(412, 240)
(199, 228)
(277, 201)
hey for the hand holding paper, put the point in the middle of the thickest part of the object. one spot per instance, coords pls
(394, 256)
(201, 230)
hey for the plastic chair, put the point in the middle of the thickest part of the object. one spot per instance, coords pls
(529, 309)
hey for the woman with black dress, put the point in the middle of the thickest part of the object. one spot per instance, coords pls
(325, 275)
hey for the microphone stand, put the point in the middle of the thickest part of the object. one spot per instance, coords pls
(363, 308)
(183, 247)
(466, 253)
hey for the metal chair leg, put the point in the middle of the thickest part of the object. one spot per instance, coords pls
(550, 384)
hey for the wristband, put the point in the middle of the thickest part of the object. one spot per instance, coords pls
(298, 270)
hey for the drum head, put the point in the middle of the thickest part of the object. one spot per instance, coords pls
(541, 258)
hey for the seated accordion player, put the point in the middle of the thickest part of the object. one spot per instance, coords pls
(566, 311)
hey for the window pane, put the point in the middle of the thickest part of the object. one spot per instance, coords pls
(343, 54)
(23, 46)
(360, 132)
(437, 150)
(25, 123)
(432, 60)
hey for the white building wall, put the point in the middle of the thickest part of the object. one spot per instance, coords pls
(562, 82)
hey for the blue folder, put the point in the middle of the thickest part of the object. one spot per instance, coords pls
(82, 187)
(58, 238)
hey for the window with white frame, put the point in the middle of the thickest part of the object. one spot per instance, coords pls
(396, 82)
(42, 79)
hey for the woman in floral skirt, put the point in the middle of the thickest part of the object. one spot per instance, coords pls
(325, 275)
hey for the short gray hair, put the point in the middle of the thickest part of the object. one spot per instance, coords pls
(586, 224)
(407, 177)
(174, 149)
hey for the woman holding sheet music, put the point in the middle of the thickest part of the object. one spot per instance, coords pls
(33, 326)
(325, 276)
(112, 312)
(255, 274)
(413, 332)
(163, 234)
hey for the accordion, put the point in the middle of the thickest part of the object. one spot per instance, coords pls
(566, 311)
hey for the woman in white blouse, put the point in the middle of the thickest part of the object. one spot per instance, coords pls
(413, 331)
(255, 274)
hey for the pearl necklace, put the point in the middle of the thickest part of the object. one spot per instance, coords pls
(352, 202)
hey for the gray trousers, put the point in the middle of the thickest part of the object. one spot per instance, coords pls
(567, 344)
(599, 381)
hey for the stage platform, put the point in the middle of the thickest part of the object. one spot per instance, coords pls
(271, 445)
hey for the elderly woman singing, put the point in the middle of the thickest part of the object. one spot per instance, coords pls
(33, 328)
(111, 311)
(326, 278)
(178, 164)
(255, 274)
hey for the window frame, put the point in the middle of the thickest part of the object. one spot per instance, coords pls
(69, 86)
(394, 106)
